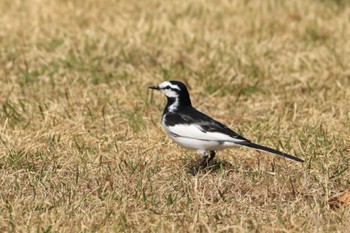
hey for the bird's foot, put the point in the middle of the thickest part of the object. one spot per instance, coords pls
(204, 163)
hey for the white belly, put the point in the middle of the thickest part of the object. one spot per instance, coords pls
(194, 138)
(195, 144)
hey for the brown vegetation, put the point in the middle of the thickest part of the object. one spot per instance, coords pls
(81, 145)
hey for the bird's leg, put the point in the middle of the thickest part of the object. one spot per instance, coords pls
(207, 158)
(212, 155)
(203, 163)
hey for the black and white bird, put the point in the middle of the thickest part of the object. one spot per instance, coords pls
(194, 130)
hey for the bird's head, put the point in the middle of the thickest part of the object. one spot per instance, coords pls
(171, 89)
(174, 90)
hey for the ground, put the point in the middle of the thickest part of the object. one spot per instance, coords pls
(81, 143)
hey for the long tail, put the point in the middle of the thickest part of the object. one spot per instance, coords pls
(270, 150)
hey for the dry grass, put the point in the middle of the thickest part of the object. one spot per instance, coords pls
(82, 147)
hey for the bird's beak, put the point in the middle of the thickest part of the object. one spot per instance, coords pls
(154, 87)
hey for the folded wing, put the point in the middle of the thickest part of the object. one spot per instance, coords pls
(194, 124)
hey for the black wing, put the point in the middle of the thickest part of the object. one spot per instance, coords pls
(190, 115)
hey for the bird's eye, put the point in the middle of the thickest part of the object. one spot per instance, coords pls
(167, 87)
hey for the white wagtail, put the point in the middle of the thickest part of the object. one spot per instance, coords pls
(194, 130)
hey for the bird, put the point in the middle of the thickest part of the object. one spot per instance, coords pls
(197, 131)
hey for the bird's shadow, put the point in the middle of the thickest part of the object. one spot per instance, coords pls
(215, 166)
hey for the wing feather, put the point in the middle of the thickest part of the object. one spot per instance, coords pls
(194, 124)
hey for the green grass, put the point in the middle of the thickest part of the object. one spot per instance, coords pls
(81, 144)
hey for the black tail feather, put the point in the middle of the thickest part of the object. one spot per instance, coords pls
(272, 151)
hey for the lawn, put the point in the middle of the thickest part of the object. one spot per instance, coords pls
(81, 143)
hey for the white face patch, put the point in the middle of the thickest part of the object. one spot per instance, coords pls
(166, 87)
(169, 93)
